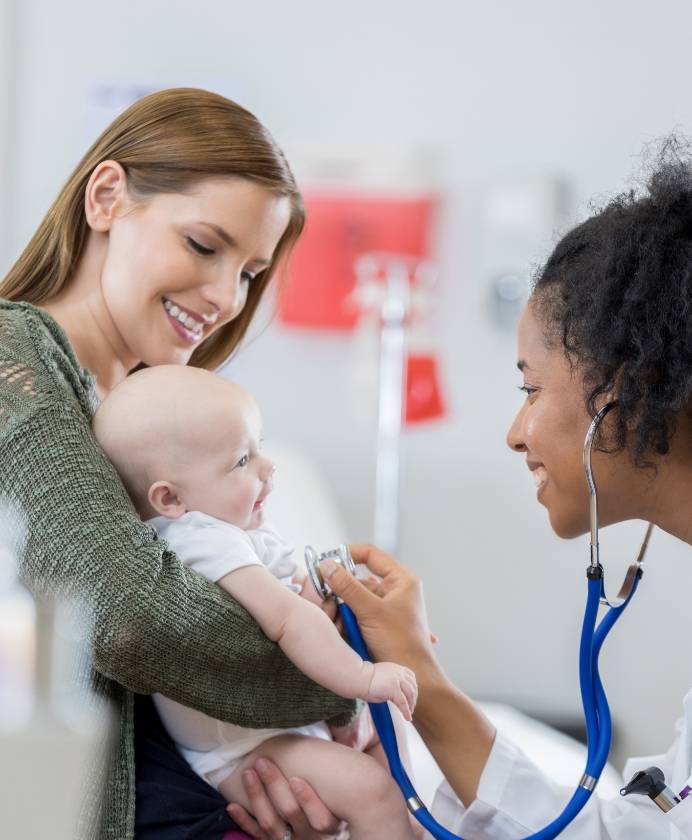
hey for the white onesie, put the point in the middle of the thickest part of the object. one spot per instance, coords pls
(214, 548)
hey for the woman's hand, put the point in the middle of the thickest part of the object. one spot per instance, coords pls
(390, 611)
(280, 804)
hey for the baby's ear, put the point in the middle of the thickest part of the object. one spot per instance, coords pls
(163, 498)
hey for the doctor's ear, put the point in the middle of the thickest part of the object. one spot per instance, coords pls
(164, 499)
(105, 195)
(612, 394)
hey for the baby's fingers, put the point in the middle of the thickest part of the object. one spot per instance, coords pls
(409, 687)
(402, 704)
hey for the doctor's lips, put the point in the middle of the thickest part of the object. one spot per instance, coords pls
(539, 472)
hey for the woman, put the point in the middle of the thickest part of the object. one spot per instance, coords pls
(157, 251)
(610, 317)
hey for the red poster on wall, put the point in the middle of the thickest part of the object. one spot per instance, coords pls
(339, 229)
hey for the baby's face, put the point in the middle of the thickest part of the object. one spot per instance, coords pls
(229, 477)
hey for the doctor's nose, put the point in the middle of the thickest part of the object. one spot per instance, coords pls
(515, 435)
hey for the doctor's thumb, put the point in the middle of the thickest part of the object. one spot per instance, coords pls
(345, 585)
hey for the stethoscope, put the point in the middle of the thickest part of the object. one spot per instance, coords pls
(594, 701)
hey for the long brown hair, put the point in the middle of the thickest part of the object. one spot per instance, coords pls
(166, 142)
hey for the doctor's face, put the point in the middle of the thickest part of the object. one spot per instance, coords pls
(550, 429)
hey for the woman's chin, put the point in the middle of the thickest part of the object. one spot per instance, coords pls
(174, 356)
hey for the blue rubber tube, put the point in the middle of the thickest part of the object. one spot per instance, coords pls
(600, 756)
(596, 712)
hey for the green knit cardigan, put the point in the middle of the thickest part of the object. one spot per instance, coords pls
(157, 626)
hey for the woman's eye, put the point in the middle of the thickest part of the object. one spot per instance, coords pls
(528, 390)
(201, 249)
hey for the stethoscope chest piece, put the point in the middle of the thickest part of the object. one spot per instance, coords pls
(340, 555)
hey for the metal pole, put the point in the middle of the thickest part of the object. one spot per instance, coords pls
(393, 315)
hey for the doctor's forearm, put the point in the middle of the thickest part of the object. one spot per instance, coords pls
(456, 732)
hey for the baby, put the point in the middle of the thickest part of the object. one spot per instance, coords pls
(187, 445)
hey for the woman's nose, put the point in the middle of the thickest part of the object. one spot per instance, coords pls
(228, 295)
(515, 435)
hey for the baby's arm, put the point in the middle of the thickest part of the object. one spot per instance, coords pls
(311, 641)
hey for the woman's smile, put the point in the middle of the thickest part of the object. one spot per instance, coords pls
(183, 322)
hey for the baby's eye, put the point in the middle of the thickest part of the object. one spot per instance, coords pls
(243, 461)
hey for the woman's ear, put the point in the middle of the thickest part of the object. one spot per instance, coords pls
(105, 195)
(164, 499)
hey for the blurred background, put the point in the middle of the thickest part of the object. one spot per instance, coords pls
(508, 119)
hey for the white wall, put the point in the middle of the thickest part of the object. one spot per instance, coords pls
(6, 113)
(498, 89)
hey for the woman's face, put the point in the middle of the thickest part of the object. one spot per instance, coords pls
(178, 266)
(551, 427)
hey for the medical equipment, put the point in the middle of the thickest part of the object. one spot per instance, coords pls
(594, 701)
(392, 290)
(652, 783)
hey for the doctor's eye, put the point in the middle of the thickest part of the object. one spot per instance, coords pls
(197, 246)
(527, 389)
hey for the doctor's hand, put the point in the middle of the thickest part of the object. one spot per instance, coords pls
(279, 804)
(390, 608)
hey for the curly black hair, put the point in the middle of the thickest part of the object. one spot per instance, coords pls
(617, 293)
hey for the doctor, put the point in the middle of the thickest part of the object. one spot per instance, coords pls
(610, 317)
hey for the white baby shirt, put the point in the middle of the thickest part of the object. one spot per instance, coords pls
(214, 548)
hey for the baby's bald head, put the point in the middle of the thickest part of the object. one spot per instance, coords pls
(162, 421)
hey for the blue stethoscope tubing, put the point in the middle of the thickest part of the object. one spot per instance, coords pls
(596, 712)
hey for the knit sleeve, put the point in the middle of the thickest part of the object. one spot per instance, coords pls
(157, 626)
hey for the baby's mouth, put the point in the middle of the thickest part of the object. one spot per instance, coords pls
(259, 504)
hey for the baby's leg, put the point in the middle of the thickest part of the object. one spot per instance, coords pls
(351, 784)
(377, 752)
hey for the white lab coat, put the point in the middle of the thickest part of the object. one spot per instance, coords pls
(515, 799)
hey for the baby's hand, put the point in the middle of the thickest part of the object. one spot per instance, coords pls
(395, 683)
